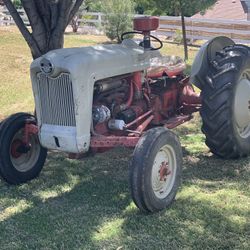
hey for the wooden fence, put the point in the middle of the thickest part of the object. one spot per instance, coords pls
(203, 29)
(197, 29)
(6, 18)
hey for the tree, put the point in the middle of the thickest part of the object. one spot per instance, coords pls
(183, 29)
(17, 3)
(149, 7)
(94, 5)
(187, 8)
(171, 7)
(48, 20)
(118, 19)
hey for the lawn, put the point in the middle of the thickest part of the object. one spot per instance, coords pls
(87, 205)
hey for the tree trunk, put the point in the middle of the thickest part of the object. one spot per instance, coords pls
(184, 34)
(75, 24)
(48, 20)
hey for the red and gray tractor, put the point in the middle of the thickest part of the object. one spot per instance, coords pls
(129, 95)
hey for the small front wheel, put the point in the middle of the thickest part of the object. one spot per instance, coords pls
(156, 168)
(19, 162)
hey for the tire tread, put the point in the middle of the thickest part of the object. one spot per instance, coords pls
(217, 102)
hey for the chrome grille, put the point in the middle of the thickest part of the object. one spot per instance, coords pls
(56, 100)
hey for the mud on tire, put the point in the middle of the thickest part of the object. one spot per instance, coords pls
(226, 102)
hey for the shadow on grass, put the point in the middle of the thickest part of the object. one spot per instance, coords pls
(87, 205)
(210, 168)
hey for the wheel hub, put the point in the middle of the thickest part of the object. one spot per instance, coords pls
(163, 172)
(242, 106)
(22, 156)
(18, 148)
(15, 152)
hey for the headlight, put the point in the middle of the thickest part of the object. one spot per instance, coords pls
(46, 66)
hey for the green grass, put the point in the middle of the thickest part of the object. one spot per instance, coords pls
(87, 205)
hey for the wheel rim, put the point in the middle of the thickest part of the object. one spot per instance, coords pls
(24, 162)
(242, 105)
(164, 172)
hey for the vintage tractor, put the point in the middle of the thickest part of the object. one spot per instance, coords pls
(97, 98)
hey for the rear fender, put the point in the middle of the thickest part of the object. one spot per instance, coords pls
(205, 55)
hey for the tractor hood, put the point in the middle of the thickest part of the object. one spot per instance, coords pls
(99, 61)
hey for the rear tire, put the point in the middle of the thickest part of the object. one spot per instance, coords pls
(18, 166)
(226, 103)
(156, 167)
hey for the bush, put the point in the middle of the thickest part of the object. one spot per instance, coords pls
(119, 15)
(178, 37)
(17, 3)
(93, 5)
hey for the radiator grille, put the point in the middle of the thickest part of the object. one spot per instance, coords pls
(56, 100)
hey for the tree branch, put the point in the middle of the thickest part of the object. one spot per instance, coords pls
(44, 10)
(48, 20)
(75, 8)
(35, 50)
(53, 14)
(38, 30)
(57, 35)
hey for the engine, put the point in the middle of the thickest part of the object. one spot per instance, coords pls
(122, 100)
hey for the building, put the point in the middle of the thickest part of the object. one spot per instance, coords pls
(224, 9)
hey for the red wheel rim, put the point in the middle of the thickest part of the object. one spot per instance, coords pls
(14, 148)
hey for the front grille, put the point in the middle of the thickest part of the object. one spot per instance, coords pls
(56, 100)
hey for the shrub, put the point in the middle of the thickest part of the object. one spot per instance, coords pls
(118, 19)
(178, 37)
(17, 3)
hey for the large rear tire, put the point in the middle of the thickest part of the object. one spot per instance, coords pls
(156, 167)
(19, 163)
(226, 103)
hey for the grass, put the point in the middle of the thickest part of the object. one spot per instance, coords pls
(87, 205)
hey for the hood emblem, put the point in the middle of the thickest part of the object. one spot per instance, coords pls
(46, 66)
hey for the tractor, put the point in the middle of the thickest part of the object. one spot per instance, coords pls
(96, 98)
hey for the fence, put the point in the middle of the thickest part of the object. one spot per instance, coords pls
(6, 19)
(203, 29)
(197, 29)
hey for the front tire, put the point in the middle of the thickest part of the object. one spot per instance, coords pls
(156, 167)
(17, 164)
(226, 103)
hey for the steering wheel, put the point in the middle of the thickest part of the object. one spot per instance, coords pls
(141, 44)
